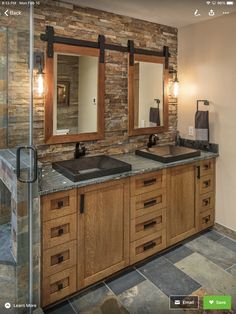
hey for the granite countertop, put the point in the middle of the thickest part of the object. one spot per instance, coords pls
(52, 181)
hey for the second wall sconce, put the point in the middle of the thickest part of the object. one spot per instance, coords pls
(174, 91)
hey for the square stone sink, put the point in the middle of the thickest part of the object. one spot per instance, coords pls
(168, 153)
(85, 168)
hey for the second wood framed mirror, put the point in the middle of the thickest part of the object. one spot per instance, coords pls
(147, 95)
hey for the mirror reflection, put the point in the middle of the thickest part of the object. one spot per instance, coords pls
(75, 94)
(148, 94)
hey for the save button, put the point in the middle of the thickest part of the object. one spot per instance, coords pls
(217, 302)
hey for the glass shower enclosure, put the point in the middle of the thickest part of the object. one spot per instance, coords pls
(19, 209)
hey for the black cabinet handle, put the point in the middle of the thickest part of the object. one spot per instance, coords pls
(81, 209)
(206, 166)
(60, 232)
(206, 183)
(207, 219)
(149, 182)
(60, 286)
(60, 204)
(149, 245)
(149, 224)
(60, 259)
(206, 201)
(150, 203)
(198, 172)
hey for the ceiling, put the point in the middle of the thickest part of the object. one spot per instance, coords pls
(177, 13)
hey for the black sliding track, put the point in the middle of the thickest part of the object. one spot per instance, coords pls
(100, 44)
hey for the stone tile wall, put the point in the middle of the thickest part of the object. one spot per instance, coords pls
(83, 23)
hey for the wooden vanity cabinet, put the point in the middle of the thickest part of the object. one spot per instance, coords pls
(148, 215)
(59, 245)
(85, 237)
(103, 230)
(206, 193)
(91, 232)
(182, 214)
(190, 199)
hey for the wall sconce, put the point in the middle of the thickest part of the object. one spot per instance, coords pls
(175, 83)
(38, 65)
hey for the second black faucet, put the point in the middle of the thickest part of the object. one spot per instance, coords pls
(153, 138)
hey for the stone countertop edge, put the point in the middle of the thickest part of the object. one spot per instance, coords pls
(52, 181)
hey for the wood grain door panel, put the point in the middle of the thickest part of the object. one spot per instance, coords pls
(104, 240)
(182, 220)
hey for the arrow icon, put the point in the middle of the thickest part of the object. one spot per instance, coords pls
(6, 12)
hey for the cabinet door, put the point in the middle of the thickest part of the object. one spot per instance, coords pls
(103, 231)
(181, 203)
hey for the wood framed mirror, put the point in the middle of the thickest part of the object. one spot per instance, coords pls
(147, 95)
(74, 100)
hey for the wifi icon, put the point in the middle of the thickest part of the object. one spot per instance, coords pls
(208, 2)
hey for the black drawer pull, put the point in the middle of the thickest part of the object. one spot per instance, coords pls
(81, 209)
(149, 182)
(206, 219)
(60, 204)
(206, 201)
(149, 245)
(149, 224)
(206, 183)
(60, 286)
(198, 172)
(206, 167)
(60, 232)
(60, 259)
(150, 203)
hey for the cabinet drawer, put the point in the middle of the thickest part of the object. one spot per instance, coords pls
(207, 167)
(206, 219)
(58, 204)
(147, 224)
(147, 182)
(58, 286)
(59, 231)
(206, 184)
(148, 202)
(59, 258)
(206, 201)
(147, 246)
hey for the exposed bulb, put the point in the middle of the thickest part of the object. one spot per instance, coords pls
(176, 88)
(40, 87)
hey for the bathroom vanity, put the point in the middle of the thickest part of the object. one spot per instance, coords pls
(94, 228)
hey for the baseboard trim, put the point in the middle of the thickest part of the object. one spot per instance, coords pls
(225, 230)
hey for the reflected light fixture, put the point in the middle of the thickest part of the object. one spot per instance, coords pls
(38, 65)
(176, 86)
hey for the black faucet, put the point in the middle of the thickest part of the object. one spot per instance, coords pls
(80, 150)
(153, 138)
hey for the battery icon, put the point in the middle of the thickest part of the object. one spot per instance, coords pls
(230, 3)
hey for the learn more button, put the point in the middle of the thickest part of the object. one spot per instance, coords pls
(217, 302)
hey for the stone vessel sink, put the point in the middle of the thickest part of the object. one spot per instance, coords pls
(86, 168)
(168, 153)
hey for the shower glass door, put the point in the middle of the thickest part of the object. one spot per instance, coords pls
(18, 164)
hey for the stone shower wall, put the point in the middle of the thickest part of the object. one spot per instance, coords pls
(14, 79)
(84, 23)
(3, 86)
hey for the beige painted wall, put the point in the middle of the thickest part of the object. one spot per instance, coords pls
(207, 70)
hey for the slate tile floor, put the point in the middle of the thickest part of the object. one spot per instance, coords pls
(205, 264)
